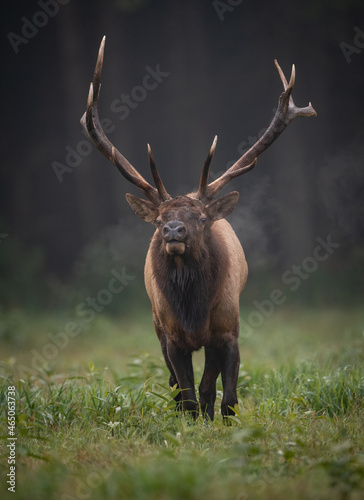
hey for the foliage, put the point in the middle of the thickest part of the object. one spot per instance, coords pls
(100, 432)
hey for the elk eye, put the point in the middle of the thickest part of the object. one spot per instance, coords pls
(158, 222)
(203, 220)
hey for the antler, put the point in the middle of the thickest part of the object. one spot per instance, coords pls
(206, 168)
(91, 123)
(285, 113)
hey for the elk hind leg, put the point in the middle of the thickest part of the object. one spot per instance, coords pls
(230, 362)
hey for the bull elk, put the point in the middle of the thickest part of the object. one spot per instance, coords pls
(195, 268)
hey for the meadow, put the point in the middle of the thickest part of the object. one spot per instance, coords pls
(98, 420)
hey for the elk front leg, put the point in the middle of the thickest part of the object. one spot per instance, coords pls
(181, 361)
(230, 362)
(172, 379)
(163, 341)
(208, 383)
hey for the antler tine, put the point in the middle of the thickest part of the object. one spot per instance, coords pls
(98, 68)
(91, 123)
(283, 78)
(285, 113)
(205, 170)
(293, 77)
(156, 177)
(145, 187)
(214, 187)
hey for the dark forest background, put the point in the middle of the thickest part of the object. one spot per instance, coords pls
(63, 231)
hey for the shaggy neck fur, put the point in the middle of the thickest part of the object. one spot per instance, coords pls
(189, 283)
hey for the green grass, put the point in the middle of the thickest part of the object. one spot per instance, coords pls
(98, 420)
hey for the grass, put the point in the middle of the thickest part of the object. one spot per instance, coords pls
(98, 420)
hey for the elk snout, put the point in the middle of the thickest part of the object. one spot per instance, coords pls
(174, 230)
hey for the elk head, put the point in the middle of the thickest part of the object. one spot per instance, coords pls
(182, 221)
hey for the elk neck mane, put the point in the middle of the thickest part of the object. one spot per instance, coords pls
(190, 284)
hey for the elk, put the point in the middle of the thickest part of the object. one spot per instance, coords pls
(195, 268)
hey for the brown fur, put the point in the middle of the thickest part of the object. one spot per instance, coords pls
(228, 282)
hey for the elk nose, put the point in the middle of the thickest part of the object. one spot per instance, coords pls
(174, 230)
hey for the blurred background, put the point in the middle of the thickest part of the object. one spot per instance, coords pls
(65, 224)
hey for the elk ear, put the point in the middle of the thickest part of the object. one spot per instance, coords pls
(222, 207)
(142, 208)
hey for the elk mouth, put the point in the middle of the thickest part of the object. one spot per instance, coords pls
(175, 247)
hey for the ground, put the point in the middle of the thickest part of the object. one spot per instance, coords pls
(97, 420)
